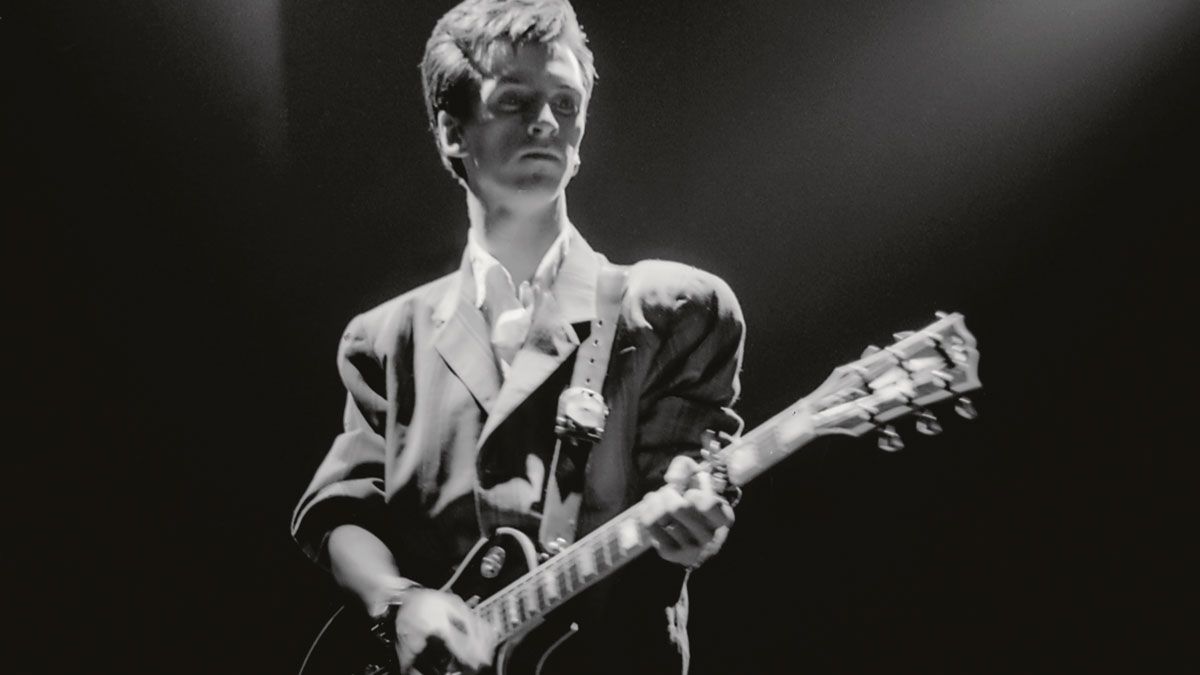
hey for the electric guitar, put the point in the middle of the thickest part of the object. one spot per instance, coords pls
(513, 586)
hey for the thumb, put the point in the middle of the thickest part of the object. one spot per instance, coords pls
(680, 472)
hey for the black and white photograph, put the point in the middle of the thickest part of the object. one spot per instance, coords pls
(545, 337)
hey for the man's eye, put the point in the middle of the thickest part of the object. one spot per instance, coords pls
(509, 102)
(566, 106)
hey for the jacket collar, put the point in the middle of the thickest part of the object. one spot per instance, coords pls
(461, 338)
(547, 269)
(461, 334)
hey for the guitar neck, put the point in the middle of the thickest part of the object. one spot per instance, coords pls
(521, 604)
(766, 445)
(923, 367)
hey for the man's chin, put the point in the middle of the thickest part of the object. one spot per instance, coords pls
(527, 190)
(539, 186)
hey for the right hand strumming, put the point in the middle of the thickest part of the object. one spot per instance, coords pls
(436, 632)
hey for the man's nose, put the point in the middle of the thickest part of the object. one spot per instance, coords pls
(544, 125)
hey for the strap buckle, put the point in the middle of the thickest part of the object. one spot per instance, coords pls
(581, 415)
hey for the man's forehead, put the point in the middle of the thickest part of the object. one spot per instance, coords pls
(528, 62)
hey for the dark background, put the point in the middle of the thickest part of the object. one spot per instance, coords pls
(198, 195)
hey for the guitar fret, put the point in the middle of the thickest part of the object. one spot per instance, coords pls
(628, 536)
(550, 587)
(510, 614)
(536, 602)
(586, 564)
(564, 579)
(572, 572)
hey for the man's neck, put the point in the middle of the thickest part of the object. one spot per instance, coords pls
(518, 239)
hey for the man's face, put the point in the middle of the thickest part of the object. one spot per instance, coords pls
(523, 141)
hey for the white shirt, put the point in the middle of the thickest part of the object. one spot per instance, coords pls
(509, 308)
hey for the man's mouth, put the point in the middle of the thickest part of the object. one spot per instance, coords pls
(540, 154)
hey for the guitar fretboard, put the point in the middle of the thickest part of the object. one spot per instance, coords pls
(617, 542)
(938, 362)
(593, 557)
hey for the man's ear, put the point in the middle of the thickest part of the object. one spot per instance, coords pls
(451, 139)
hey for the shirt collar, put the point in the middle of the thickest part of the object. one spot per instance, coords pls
(547, 270)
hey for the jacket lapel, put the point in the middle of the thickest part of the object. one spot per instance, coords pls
(551, 338)
(461, 337)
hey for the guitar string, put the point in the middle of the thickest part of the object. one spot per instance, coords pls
(606, 535)
(585, 545)
(565, 567)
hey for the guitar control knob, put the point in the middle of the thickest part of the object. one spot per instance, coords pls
(965, 408)
(889, 439)
(928, 424)
(492, 562)
(555, 547)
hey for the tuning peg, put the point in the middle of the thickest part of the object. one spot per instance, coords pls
(928, 424)
(889, 439)
(965, 408)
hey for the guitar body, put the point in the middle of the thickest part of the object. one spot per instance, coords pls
(346, 646)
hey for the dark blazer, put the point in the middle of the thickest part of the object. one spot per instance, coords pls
(425, 404)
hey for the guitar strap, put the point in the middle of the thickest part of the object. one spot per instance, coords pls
(582, 412)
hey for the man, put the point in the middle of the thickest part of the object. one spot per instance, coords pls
(453, 386)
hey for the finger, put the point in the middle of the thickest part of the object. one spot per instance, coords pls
(460, 616)
(696, 529)
(463, 647)
(405, 654)
(669, 537)
(412, 637)
(713, 507)
(680, 471)
(711, 548)
(652, 508)
(486, 641)
(469, 654)
(682, 522)
(479, 645)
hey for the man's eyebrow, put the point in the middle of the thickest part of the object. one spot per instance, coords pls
(512, 79)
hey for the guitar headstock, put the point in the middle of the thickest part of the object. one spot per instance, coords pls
(921, 368)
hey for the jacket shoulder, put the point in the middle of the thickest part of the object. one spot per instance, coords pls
(389, 323)
(661, 292)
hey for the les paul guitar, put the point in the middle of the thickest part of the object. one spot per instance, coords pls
(514, 587)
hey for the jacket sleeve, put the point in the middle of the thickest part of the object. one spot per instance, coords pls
(348, 486)
(692, 382)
